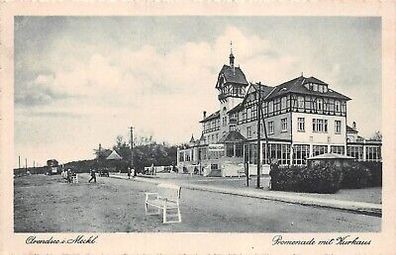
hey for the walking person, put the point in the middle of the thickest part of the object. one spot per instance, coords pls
(68, 175)
(129, 173)
(93, 175)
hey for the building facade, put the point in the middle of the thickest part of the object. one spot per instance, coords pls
(300, 118)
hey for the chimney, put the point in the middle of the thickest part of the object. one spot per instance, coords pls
(204, 114)
(354, 125)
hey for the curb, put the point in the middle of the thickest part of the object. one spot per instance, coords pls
(355, 207)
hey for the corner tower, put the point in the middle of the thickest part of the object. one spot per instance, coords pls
(231, 84)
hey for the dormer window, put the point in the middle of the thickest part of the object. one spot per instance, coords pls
(322, 88)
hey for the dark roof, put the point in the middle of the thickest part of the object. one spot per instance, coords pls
(236, 108)
(234, 77)
(266, 90)
(211, 117)
(297, 86)
(350, 129)
(232, 136)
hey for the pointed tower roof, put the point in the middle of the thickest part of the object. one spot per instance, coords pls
(192, 140)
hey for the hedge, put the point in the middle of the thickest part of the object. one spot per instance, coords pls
(362, 175)
(327, 177)
(323, 178)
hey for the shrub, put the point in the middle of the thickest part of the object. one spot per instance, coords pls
(355, 176)
(375, 169)
(323, 178)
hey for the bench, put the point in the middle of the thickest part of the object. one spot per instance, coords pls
(167, 200)
(74, 178)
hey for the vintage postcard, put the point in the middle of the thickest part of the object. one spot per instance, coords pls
(195, 128)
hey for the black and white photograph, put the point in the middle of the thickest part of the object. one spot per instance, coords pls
(206, 124)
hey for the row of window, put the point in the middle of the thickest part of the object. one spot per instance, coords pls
(281, 153)
(318, 126)
(211, 138)
(232, 90)
(307, 104)
(373, 153)
(317, 87)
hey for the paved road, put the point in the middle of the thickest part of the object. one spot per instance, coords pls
(114, 205)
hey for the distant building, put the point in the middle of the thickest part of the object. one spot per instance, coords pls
(362, 149)
(303, 117)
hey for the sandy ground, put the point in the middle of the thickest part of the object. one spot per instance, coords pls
(49, 204)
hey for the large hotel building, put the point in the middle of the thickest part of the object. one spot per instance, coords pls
(303, 117)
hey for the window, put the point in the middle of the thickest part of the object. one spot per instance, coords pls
(249, 132)
(308, 103)
(277, 105)
(280, 152)
(283, 103)
(300, 102)
(300, 154)
(270, 107)
(325, 126)
(315, 87)
(181, 156)
(320, 88)
(217, 137)
(252, 153)
(254, 112)
(301, 124)
(319, 125)
(355, 151)
(238, 150)
(244, 115)
(319, 149)
(270, 127)
(284, 124)
(229, 150)
(339, 149)
(373, 153)
(337, 106)
(319, 105)
(338, 126)
(187, 155)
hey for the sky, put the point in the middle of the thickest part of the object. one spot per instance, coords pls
(81, 81)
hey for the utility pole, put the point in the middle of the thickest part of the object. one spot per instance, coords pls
(26, 163)
(19, 161)
(34, 164)
(134, 172)
(258, 135)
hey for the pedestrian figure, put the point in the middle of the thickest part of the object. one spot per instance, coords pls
(93, 175)
(68, 175)
(129, 172)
